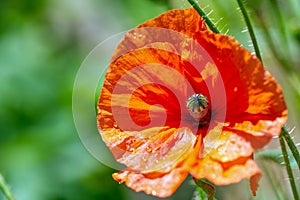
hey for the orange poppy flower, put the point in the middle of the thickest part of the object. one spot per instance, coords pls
(179, 99)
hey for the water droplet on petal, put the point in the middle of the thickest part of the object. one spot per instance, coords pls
(132, 149)
(213, 176)
(115, 125)
(153, 192)
(225, 124)
(148, 149)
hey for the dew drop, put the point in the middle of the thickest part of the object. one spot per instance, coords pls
(132, 149)
(213, 176)
(148, 149)
(115, 125)
(134, 35)
(153, 192)
(127, 147)
(144, 159)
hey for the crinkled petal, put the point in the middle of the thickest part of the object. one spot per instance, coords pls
(159, 153)
(227, 159)
(185, 21)
(143, 89)
(226, 147)
(225, 173)
(139, 115)
(157, 184)
(255, 103)
(254, 183)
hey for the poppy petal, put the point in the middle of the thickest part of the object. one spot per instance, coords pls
(157, 184)
(220, 174)
(144, 81)
(226, 147)
(159, 153)
(227, 159)
(185, 21)
(255, 103)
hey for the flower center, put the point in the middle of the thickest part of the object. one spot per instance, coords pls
(198, 107)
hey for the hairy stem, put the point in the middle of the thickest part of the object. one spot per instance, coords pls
(272, 180)
(288, 167)
(285, 134)
(250, 29)
(207, 20)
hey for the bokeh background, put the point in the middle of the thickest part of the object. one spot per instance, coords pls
(42, 45)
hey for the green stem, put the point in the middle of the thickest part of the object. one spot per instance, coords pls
(5, 189)
(273, 47)
(250, 29)
(290, 142)
(207, 20)
(288, 167)
(272, 180)
(280, 19)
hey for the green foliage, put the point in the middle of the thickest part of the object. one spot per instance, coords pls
(205, 190)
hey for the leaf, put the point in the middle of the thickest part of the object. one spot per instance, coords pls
(205, 190)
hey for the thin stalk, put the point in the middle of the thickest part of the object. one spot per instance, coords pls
(288, 167)
(207, 20)
(273, 47)
(5, 189)
(285, 134)
(268, 171)
(281, 23)
(250, 29)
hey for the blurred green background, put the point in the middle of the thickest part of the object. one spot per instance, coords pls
(42, 45)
